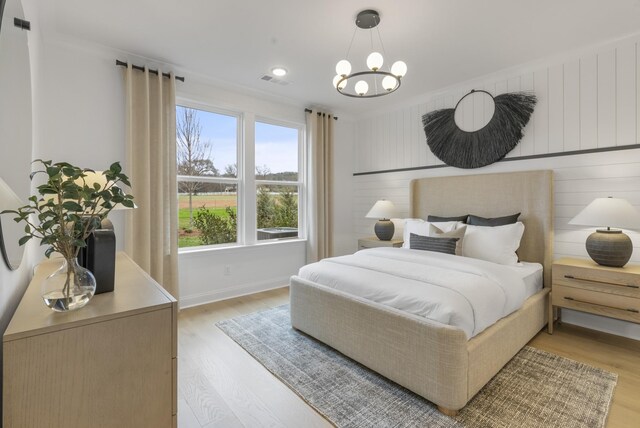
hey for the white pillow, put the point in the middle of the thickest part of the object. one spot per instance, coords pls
(496, 244)
(421, 227)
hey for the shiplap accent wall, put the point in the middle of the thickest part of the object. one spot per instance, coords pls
(590, 100)
(586, 102)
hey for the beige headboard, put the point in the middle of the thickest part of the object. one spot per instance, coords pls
(495, 195)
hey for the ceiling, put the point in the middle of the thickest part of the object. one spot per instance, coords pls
(442, 41)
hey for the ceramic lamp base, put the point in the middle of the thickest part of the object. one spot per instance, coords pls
(609, 247)
(384, 229)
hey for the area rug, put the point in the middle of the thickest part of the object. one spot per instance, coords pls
(535, 389)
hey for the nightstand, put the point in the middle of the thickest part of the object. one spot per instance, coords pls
(583, 285)
(374, 242)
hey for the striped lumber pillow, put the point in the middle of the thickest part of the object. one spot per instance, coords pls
(428, 243)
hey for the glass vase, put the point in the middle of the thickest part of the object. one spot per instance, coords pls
(69, 288)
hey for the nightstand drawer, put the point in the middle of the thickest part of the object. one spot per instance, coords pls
(600, 280)
(595, 302)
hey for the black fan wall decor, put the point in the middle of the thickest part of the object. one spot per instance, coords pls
(489, 144)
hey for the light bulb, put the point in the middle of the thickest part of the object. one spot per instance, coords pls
(389, 83)
(361, 87)
(340, 85)
(399, 68)
(374, 61)
(279, 71)
(343, 67)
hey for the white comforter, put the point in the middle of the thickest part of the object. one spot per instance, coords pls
(466, 293)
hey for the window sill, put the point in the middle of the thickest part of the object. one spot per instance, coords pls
(238, 247)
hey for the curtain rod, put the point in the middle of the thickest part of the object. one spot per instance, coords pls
(138, 67)
(310, 111)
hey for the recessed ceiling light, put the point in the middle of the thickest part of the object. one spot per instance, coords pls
(279, 71)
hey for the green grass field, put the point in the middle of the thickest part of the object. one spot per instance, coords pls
(187, 235)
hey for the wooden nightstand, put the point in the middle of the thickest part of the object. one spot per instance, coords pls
(583, 285)
(374, 242)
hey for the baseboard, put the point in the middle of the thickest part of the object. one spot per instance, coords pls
(231, 292)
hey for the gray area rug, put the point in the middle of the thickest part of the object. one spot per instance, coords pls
(535, 389)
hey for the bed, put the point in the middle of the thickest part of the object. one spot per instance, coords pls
(438, 361)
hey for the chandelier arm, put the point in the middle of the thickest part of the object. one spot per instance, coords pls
(363, 73)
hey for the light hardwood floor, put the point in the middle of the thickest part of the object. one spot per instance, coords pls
(220, 385)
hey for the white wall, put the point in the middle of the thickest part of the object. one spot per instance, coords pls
(587, 99)
(82, 112)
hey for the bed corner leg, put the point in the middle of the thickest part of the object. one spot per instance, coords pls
(447, 411)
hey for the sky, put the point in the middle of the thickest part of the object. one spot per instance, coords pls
(276, 146)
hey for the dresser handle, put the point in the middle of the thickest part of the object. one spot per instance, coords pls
(601, 282)
(635, 311)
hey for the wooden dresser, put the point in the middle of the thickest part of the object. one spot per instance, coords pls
(583, 285)
(109, 364)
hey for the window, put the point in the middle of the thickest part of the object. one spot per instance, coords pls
(215, 163)
(207, 159)
(278, 184)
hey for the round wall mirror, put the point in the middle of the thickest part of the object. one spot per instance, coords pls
(15, 124)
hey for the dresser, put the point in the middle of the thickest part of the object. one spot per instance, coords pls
(583, 285)
(374, 242)
(111, 363)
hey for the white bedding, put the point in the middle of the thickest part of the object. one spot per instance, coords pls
(466, 293)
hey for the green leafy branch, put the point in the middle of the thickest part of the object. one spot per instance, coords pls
(67, 208)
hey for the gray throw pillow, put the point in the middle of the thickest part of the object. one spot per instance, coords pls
(437, 218)
(427, 243)
(496, 221)
(434, 232)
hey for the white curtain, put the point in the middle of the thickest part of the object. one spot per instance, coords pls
(152, 229)
(319, 222)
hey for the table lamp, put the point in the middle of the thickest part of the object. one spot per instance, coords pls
(609, 247)
(383, 210)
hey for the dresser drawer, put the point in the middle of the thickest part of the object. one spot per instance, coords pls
(595, 302)
(601, 280)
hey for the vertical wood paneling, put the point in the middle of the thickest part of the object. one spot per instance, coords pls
(607, 99)
(556, 108)
(526, 144)
(541, 112)
(571, 106)
(584, 103)
(489, 107)
(589, 102)
(637, 92)
(513, 85)
(414, 126)
(424, 108)
(626, 94)
(409, 151)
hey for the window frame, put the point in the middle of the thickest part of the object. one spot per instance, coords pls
(185, 103)
(302, 175)
(246, 233)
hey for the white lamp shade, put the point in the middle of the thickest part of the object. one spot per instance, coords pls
(399, 68)
(608, 212)
(389, 83)
(343, 67)
(361, 87)
(90, 179)
(8, 199)
(337, 83)
(375, 61)
(382, 209)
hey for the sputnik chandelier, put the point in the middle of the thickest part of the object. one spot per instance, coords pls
(377, 80)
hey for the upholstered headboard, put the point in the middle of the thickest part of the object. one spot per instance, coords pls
(495, 195)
